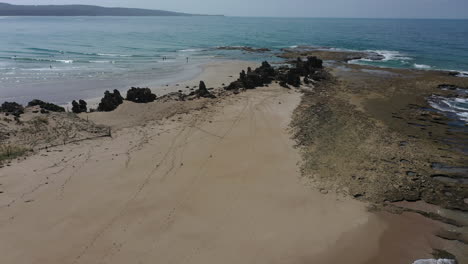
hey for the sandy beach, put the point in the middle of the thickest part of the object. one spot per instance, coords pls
(202, 181)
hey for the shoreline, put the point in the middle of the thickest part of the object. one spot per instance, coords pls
(260, 117)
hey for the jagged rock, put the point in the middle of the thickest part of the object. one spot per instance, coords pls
(291, 77)
(110, 101)
(46, 106)
(311, 69)
(79, 107)
(12, 108)
(310, 66)
(203, 92)
(264, 74)
(140, 95)
(236, 85)
(320, 75)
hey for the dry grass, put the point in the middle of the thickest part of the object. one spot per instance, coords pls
(8, 151)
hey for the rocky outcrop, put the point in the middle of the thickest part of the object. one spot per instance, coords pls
(247, 49)
(288, 77)
(46, 106)
(140, 95)
(110, 101)
(310, 66)
(12, 108)
(261, 76)
(311, 69)
(79, 107)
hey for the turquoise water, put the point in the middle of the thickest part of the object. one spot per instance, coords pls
(65, 58)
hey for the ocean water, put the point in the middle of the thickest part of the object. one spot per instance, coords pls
(59, 59)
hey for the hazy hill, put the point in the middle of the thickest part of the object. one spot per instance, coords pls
(79, 10)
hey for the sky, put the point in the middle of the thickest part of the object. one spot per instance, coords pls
(289, 8)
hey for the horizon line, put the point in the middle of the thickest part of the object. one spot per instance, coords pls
(248, 16)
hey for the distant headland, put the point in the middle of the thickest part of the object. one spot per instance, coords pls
(81, 10)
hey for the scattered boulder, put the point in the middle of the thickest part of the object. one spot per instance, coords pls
(12, 108)
(110, 101)
(140, 95)
(46, 106)
(203, 92)
(79, 107)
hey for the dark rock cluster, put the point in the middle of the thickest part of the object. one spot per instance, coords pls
(46, 106)
(311, 69)
(203, 91)
(12, 108)
(261, 76)
(140, 95)
(110, 101)
(79, 107)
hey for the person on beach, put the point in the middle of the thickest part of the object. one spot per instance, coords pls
(187, 59)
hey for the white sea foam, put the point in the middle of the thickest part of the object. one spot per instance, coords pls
(457, 106)
(463, 74)
(422, 66)
(102, 61)
(293, 47)
(435, 261)
(190, 50)
(391, 55)
(65, 61)
(113, 55)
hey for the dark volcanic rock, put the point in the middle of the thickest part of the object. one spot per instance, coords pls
(266, 72)
(110, 101)
(46, 106)
(140, 95)
(12, 108)
(310, 66)
(203, 92)
(79, 107)
(290, 77)
(261, 76)
(311, 69)
(236, 85)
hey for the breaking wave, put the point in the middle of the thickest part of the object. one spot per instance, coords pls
(453, 105)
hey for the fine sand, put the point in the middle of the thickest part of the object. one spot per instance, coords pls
(212, 182)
